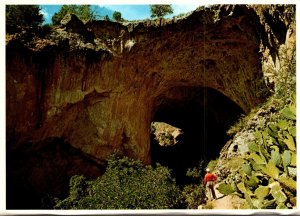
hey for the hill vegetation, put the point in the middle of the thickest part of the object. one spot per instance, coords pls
(126, 184)
(266, 171)
(19, 17)
(84, 13)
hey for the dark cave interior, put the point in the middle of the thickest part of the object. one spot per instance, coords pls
(204, 115)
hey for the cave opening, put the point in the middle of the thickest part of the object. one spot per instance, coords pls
(203, 115)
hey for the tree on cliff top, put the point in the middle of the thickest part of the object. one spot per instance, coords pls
(83, 12)
(117, 16)
(22, 16)
(160, 10)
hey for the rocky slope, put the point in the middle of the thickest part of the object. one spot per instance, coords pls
(259, 162)
(96, 87)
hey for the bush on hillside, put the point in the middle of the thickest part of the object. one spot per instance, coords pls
(83, 12)
(194, 193)
(117, 16)
(19, 17)
(126, 184)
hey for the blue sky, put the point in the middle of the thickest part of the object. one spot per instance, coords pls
(129, 12)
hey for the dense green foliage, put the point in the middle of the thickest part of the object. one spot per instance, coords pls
(19, 17)
(160, 10)
(126, 184)
(194, 193)
(117, 16)
(267, 178)
(83, 12)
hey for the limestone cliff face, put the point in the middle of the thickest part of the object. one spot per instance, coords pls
(98, 85)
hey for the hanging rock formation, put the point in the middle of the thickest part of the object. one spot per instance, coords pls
(96, 86)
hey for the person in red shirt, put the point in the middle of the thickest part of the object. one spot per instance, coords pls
(209, 182)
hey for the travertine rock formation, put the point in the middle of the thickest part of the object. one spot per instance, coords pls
(97, 86)
(165, 134)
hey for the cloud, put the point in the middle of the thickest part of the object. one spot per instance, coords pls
(131, 12)
(45, 13)
(184, 8)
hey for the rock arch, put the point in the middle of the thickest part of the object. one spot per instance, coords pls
(102, 100)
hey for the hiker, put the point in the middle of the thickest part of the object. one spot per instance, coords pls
(209, 182)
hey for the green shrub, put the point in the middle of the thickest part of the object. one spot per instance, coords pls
(166, 139)
(212, 164)
(194, 193)
(126, 184)
(22, 16)
(117, 16)
(196, 173)
(83, 12)
(286, 75)
(78, 191)
(209, 205)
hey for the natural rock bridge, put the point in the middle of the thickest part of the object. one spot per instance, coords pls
(97, 87)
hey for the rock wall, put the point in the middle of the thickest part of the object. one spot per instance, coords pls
(97, 86)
